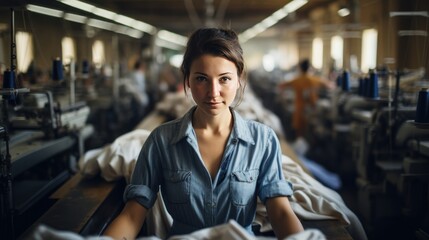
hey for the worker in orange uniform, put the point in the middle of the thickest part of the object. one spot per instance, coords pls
(306, 88)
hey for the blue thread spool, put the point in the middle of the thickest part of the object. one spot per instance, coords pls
(361, 88)
(9, 79)
(366, 88)
(346, 81)
(57, 70)
(9, 83)
(85, 67)
(373, 85)
(422, 109)
(339, 81)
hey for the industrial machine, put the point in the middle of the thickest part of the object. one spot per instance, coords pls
(41, 140)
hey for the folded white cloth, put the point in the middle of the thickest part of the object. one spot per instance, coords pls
(311, 199)
(115, 160)
(231, 231)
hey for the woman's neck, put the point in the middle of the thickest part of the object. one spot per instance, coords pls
(215, 124)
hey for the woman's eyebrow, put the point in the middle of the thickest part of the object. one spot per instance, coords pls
(222, 74)
(200, 73)
(225, 73)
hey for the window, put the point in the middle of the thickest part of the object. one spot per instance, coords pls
(337, 46)
(24, 50)
(98, 54)
(369, 49)
(68, 49)
(317, 53)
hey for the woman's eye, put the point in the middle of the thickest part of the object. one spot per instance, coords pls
(224, 79)
(200, 78)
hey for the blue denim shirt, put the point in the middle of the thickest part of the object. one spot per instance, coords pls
(170, 159)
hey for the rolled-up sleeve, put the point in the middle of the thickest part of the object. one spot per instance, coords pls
(141, 193)
(144, 183)
(272, 182)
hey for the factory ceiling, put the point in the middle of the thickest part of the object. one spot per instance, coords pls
(183, 16)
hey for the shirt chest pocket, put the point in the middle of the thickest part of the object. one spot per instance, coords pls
(243, 187)
(177, 186)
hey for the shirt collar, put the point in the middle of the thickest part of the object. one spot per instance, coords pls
(240, 129)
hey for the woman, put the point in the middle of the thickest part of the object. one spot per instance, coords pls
(211, 164)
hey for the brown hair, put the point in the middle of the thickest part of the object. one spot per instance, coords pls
(217, 42)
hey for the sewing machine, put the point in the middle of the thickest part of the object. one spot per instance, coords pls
(44, 140)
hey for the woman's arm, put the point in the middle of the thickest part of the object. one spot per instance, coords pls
(128, 223)
(282, 218)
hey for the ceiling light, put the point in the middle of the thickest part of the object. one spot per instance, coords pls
(44, 10)
(124, 20)
(78, 4)
(104, 13)
(411, 13)
(172, 37)
(75, 18)
(294, 5)
(271, 20)
(343, 12)
(100, 24)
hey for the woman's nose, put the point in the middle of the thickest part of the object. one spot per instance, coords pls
(214, 89)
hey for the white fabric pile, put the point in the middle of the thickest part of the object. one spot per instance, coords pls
(231, 231)
(311, 199)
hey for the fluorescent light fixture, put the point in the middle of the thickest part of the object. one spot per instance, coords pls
(271, 20)
(343, 12)
(168, 44)
(294, 5)
(111, 16)
(142, 26)
(268, 22)
(412, 33)
(172, 37)
(412, 13)
(100, 24)
(90, 21)
(279, 14)
(121, 29)
(134, 33)
(44, 10)
(75, 18)
(78, 4)
(124, 20)
(104, 13)
(128, 31)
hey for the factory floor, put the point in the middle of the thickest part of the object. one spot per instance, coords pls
(390, 227)
(377, 228)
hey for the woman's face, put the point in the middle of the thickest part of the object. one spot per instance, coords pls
(213, 82)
